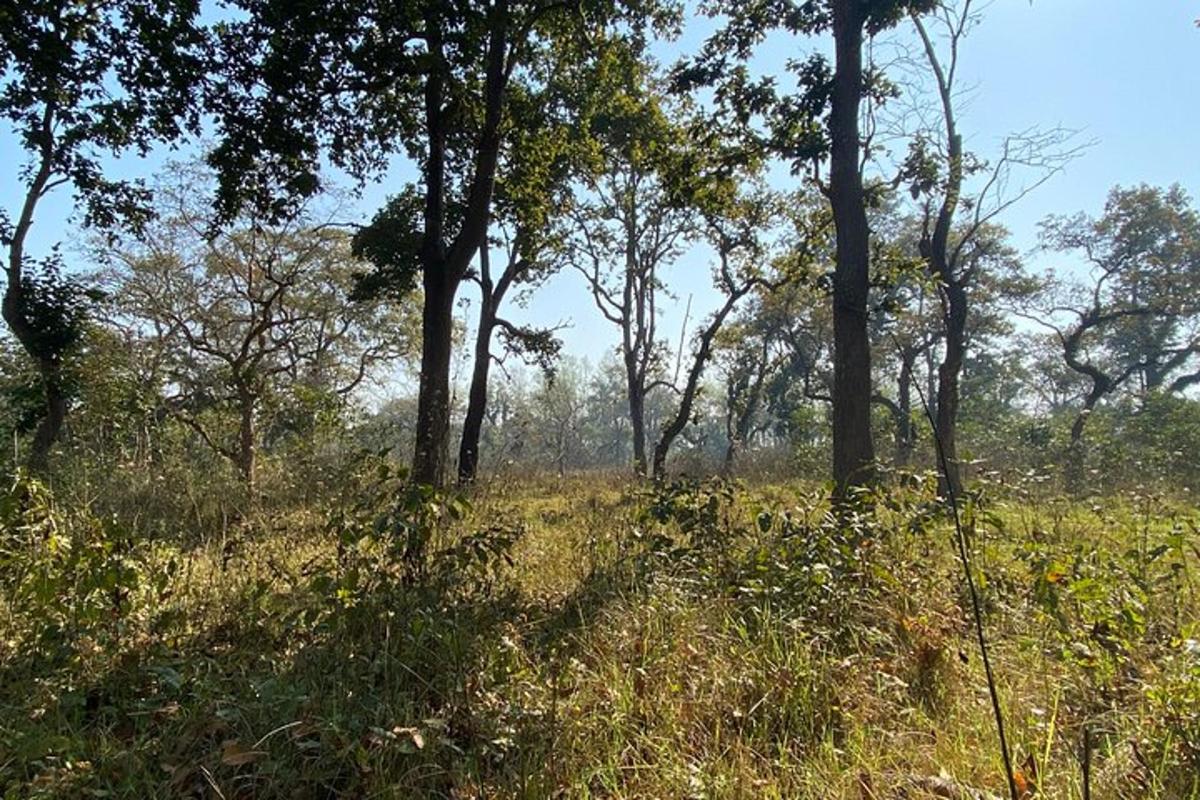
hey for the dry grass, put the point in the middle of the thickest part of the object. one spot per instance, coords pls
(734, 655)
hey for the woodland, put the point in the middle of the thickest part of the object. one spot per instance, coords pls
(302, 497)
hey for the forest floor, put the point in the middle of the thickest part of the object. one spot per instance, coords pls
(591, 638)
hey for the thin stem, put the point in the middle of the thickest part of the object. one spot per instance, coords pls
(976, 608)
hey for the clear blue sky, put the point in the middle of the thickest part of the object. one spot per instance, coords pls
(1124, 72)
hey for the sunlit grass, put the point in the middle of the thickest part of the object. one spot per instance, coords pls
(618, 656)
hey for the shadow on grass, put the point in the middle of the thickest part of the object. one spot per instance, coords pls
(426, 690)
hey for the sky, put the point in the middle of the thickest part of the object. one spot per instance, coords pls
(1124, 73)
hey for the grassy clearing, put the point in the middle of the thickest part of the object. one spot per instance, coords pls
(601, 640)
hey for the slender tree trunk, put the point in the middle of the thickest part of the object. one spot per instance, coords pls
(683, 413)
(907, 432)
(637, 420)
(853, 448)
(949, 372)
(731, 450)
(14, 304)
(247, 451)
(433, 395)
(468, 451)
(936, 251)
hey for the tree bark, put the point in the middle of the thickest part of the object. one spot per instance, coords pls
(637, 419)
(949, 372)
(468, 451)
(433, 397)
(247, 450)
(853, 447)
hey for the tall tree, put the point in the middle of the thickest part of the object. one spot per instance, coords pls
(546, 149)
(819, 124)
(629, 224)
(79, 81)
(955, 232)
(360, 81)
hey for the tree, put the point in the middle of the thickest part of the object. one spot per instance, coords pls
(745, 359)
(629, 224)
(907, 331)
(821, 121)
(743, 230)
(242, 317)
(955, 248)
(776, 359)
(545, 150)
(361, 81)
(1138, 312)
(79, 81)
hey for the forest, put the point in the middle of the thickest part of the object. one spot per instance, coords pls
(589, 399)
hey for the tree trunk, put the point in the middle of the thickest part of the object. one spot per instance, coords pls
(699, 361)
(637, 421)
(433, 394)
(49, 368)
(247, 451)
(739, 431)
(936, 251)
(14, 303)
(906, 435)
(51, 425)
(468, 451)
(442, 268)
(949, 372)
(1076, 460)
(853, 448)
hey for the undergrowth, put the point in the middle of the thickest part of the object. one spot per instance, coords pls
(698, 640)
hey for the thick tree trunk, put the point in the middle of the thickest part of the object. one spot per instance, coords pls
(468, 451)
(431, 453)
(50, 427)
(853, 448)
(949, 373)
(1076, 457)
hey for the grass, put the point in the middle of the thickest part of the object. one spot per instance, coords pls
(703, 641)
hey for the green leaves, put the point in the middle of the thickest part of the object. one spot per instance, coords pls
(392, 243)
